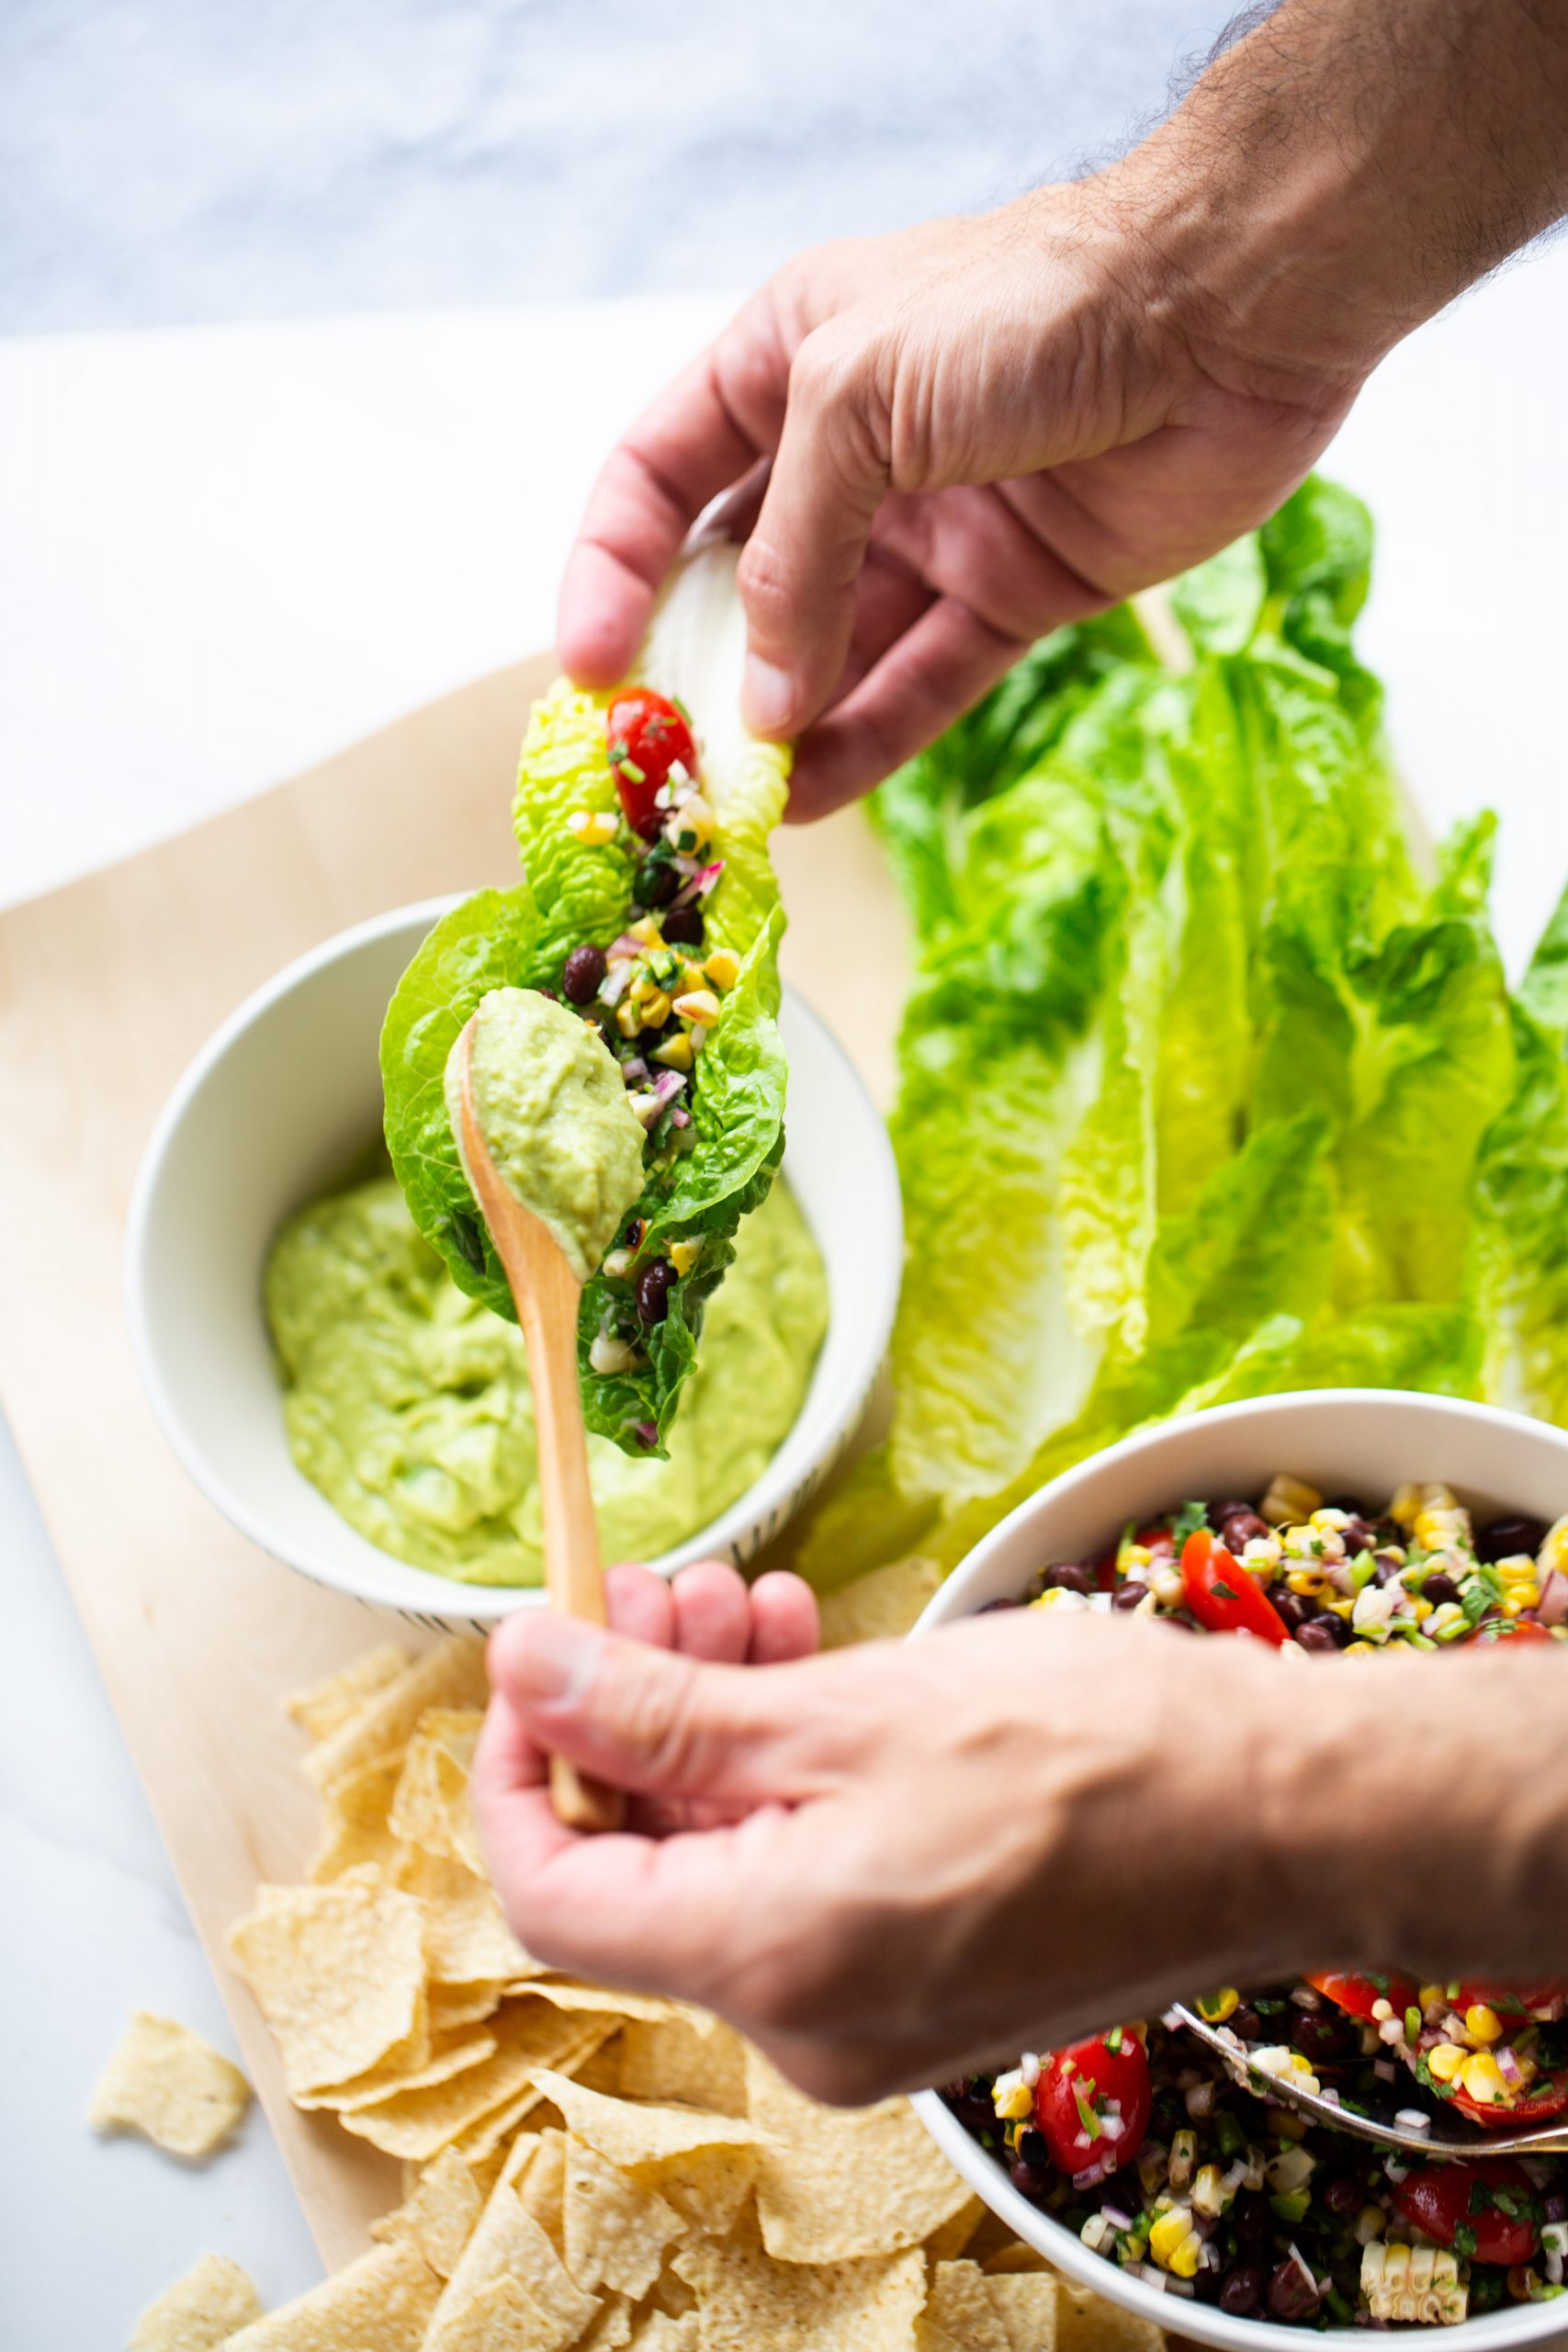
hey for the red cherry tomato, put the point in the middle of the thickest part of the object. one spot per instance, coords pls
(1493, 2199)
(1356, 1994)
(1512, 1629)
(1223, 1596)
(1547, 2097)
(1511, 2000)
(647, 735)
(1091, 2104)
(1157, 1540)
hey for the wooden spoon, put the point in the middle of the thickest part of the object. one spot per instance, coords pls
(546, 1292)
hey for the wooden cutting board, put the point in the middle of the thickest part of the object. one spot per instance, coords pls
(106, 988)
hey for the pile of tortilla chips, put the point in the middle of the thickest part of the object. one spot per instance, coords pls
(583, 2168)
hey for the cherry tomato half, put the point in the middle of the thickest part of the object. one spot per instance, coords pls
(1547, 2097)
(1084, 2093)
(1511, 1629)
(647, 735)
(1223, 1596)
(1356, 1994)
(1511, 2000)
(1491, 2200)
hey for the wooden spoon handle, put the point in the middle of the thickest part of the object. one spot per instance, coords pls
(572, 1574)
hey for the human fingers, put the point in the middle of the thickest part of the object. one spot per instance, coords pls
(800, 566)
(786, 1623)
(638, 1604)
(703, 432)
(659, 1724)
(927, 679)
(713, 1612)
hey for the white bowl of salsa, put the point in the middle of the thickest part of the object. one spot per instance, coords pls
(1346, 1441)
(278, 1107)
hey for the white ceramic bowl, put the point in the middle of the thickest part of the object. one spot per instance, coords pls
(274, 1108)
(1344, 1441)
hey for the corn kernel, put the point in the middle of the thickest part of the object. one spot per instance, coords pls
(1169, 2234)
(1288, 1498)
(1445, 2061)
(1014, 2102)
(1168, 1587)
(619, 1264)
(688, 827)
(723, 967)
(1359, 1649)
(1209, 2192)
(1432, 1997)
(1188, 2254)
(698, 1005)
(675, 1053)
(1218, 2006)
(1482, 2023)
(1310, 1582)
(683, 1255)
(592, 827)
(655, 1010)
(1406, 1503)
(629, 1019)
(1482, 2078)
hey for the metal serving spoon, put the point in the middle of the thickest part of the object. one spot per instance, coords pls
(1546, 2140)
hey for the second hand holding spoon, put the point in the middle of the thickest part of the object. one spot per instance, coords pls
(546, 1292)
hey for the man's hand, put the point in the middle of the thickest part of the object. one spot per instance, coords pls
(965, 434)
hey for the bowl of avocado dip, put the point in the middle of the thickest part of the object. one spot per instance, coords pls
(330, 1389)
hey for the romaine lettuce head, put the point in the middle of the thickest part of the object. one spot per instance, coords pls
(570, 893)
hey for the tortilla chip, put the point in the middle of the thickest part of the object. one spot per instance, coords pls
(951, 2239)
(679, 2063)
(381, 2303)
(615, 2228)
(509, 2244)
(834, 2184)
(328, 1704)
(881, 1606)
(171, 2086)
(201, 2310)
(437, 2217)
(455, 2005)
(420, 2123)
(452, 1674)
(702, 2165)
(612, 2329)
(600, 2071)
(660, 2333)
(356, 1824)
(458, 2054)
(959, 2310)
(1005, 2261)
(1027, 2306)
(432, 1806)
(534, 2165)
(500, 2316)
(338, 1971)
(746, 2300)
(651, 2007)
(1087, 2323)
(467, 1938)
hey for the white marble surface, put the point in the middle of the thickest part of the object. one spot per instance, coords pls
(220, 555)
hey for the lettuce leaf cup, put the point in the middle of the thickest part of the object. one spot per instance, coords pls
(648, 905)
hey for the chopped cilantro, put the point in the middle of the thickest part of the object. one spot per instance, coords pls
(1221, 1590)
(1086, 2116)
(1188, 1520)
(1465, 2241)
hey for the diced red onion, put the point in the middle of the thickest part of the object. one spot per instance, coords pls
(1101, 2169)
(679, 1118)
(700, 884)
(1385, 2070)
(625, 949)
(614, 984)
(634, 1070)
(1117, 2218)
(1175, 2286)
(667, 1085)
(1508, 2066)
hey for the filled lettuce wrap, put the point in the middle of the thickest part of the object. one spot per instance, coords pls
(648, 906)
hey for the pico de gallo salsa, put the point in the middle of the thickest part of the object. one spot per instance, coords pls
(1138, 2139)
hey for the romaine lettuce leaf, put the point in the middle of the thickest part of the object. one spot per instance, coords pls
(571, 892)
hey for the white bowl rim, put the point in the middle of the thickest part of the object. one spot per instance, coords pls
(1515, 2323)
(436, 1600)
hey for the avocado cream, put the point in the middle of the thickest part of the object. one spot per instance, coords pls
(408, 1404)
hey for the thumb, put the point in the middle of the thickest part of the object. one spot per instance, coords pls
(802, 563)
(648, 1720)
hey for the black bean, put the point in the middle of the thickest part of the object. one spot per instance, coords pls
(1246, 2023)
(1501, 1538)
(1345, 2196)
(582, 973)
(1029, 2178)
(1439, 1588)
(1319, 1633)
(1128, 1595)
(1324, 2037)
(1554, 2205)
(1032, 2147)
(1068, 1578)
(1292, 2293)
(656, 882)
(1288, 1605)
(652, 1290)
(1358, 1535)
(1240, 1528)
(1242, 2289)
(1220, 1513)
(1249, 2216)
(1351, 1505)
(682, 927)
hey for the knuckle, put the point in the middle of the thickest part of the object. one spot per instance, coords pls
(764, 579)
(655, 1713)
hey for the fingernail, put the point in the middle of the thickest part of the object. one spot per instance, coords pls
(767, 696)
(556, 1663)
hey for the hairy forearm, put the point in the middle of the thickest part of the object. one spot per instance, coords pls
(1345, 170)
